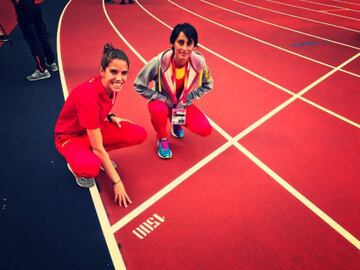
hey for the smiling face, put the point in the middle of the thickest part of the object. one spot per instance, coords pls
(182, 49)
(114, 76)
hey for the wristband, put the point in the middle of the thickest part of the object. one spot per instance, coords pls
(109, 116)
(116, 182)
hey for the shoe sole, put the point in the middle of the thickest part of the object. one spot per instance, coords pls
(175, 136)
(87, 184)
(37, 79)
(162, 157)
(51, 70)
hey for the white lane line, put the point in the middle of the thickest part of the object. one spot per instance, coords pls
(330, 10)
(233, 141)
(346, 2)
(111, 243)
(258, 40)
(305, 201)
(295, 97)
(279, 26)
(337, 7)
(109, 237)
(350, 122)
(298, 17)
(58, 45)
(312, 10)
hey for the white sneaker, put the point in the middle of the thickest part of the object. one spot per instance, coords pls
(52, 67)
(37, 75)
(82, 181)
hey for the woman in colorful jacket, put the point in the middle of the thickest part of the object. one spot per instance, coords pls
(180, 77)
(86, 130)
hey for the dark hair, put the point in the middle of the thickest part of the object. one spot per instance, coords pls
(111, 53)
(189, 31)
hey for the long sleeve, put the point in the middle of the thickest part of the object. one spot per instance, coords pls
(150, 72)
(205, 87)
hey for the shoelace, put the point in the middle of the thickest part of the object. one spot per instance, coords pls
(164, 144)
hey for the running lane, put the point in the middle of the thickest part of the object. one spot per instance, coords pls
(354, 66)
(296, 22)
(339, 93)
(333, 8)
(319, 16)
(244, 51)
(311, 47)
(246, 97)
(353, 5)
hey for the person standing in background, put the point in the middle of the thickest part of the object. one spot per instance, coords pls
(29, 17)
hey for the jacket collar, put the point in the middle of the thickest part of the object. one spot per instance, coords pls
(195, 65)
(196, 60)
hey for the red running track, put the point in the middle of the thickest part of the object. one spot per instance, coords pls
(227, 205)
(297, 22)
(7, 17)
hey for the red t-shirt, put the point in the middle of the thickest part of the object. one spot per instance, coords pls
(86, 108)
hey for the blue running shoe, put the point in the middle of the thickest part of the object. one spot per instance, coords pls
(177, 131)
(164, 150)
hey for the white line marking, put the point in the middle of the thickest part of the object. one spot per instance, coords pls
(346, 2)
(171, 186)
(298, 17)
(312, 10)
(292, 99)
(329, 10)
(58, 43)
(114, 250)
(233, 141)
(322, 4)
(109, 237)
(316, 210)
(350, 122)
(279, 26)
(258, 40)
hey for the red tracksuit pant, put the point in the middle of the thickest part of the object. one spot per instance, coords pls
(77, 150)
(195, 120)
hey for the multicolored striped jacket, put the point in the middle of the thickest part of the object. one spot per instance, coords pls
(199, 80)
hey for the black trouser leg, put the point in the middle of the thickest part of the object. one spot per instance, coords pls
(43, 37)
(28, 30)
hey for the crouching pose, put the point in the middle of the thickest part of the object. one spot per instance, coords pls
(86, 130)
(180, 77)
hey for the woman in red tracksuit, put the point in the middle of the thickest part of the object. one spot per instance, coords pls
(180, 77)
(86, 130)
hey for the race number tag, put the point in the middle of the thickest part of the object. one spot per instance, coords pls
(178, 116)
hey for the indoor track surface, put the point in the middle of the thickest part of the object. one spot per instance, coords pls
(276, 184)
